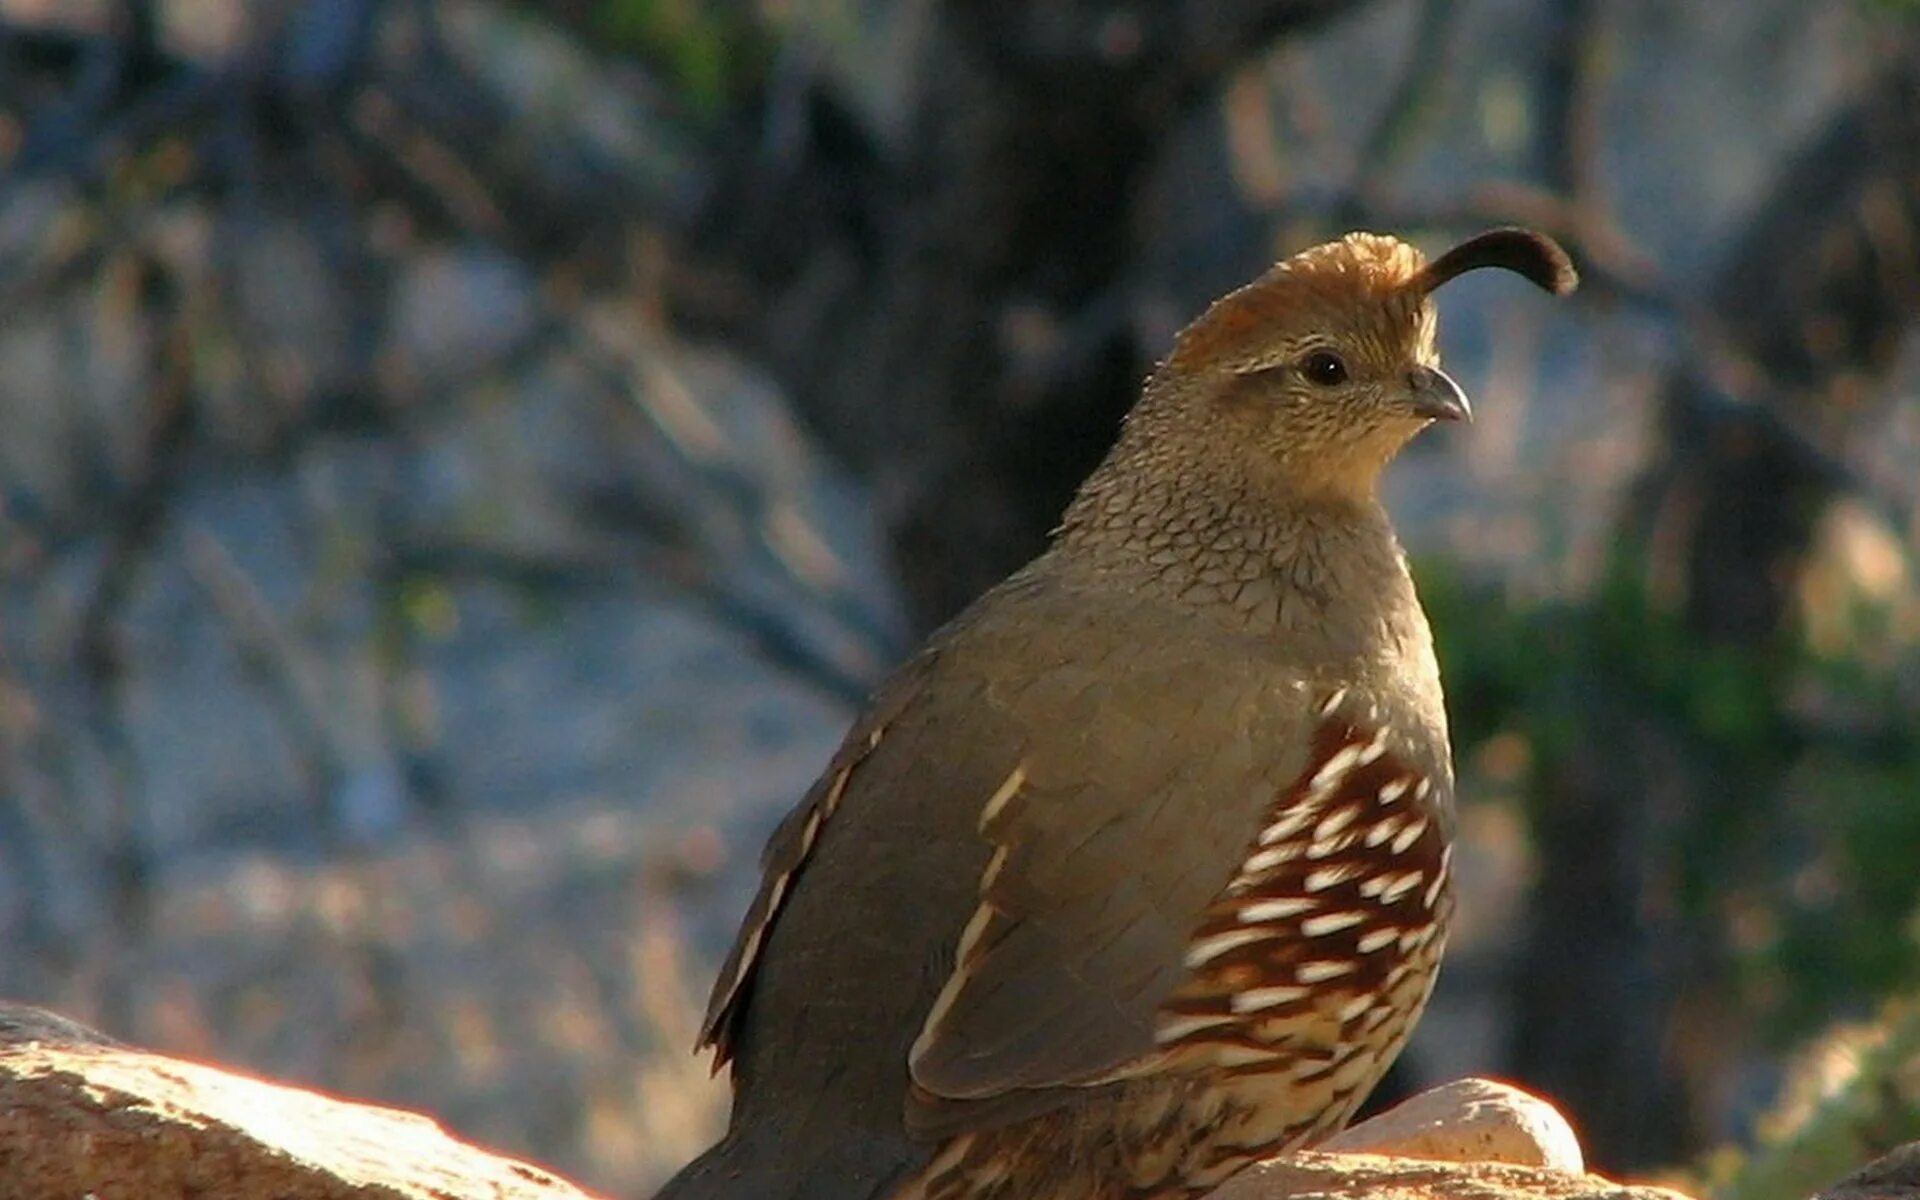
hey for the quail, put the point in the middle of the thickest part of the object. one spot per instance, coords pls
(1138, 871)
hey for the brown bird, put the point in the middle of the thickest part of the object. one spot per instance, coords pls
(1138, 871)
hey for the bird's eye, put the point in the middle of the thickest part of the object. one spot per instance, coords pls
(1325, 368)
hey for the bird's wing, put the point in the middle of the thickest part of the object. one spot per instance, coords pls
(1141, 784)
(1119, 839)
(787, 850)
(1105, 801)
(1202, 844)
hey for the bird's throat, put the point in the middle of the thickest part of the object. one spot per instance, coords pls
(1242, 550)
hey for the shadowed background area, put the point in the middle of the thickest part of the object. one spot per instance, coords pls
(462, 464)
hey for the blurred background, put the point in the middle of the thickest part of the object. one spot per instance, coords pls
(462, 463)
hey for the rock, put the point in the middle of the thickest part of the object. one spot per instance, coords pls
(81, 1117)
(23, 1024)
(1326, 1176)
(1473, 1139)
(1893, 1176)
(1469, 1120)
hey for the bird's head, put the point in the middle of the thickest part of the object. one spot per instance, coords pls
(1325, 366)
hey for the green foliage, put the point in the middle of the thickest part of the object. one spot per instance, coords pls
(710, 52)
(1800, 844)
(1851, 919)
(1852, 1096)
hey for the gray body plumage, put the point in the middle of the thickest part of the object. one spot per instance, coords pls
(1140, 870)
(1156, 709)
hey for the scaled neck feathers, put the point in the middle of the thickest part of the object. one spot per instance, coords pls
(1323, 572)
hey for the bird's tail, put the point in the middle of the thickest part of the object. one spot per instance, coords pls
(775, 1168)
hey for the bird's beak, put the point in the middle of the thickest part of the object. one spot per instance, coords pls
(1436, 396)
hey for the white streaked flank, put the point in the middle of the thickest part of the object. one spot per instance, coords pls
(1271, 857)
(1409, 835)
(1376, 939)
(1205, 950)
(1383, 829)
(1321, 970)
(1272, 910)
(1286, 826)
(1333, 769)
(1327, 923)
(1256, 999)
(1326, 877)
